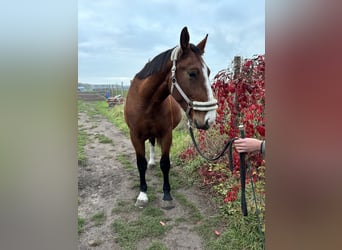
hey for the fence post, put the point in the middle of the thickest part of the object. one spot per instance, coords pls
(236, 78)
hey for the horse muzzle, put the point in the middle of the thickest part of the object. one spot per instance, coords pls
(204, 120)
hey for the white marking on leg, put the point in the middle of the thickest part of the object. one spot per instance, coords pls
(142, 197)
(152, 162)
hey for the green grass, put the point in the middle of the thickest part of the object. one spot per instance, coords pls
(195, 214)
(103, 138)
(180, 141)
(238, 234)
(123, 159)
(80, 224)
(129, 233)
(124, 206)
(156, 245)
(98, 218)
(114, 115)
(82, 138)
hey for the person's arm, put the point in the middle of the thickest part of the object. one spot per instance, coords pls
(246, 145)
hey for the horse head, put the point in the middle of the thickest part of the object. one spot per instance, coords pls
(190, 85)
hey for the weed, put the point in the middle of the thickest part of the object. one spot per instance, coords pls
(129, 233)
(103, 138)
(124, 206)
(195, 214)
(82, 138)
(98, 218)
(114, 115)
(123, 159)
(80, 224)
(152, 212)
(156, 245)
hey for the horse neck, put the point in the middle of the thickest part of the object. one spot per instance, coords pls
(155, 87)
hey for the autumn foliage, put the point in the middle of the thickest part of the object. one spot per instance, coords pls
(240, 92)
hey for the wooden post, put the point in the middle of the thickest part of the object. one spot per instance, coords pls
(236, 76)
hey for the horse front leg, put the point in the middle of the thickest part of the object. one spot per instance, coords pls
(167, 202)
(165, 168)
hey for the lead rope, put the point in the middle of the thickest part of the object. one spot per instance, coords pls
(229, 146)
(243, 175)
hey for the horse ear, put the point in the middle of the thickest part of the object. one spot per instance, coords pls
(184, 38)
(202, 44)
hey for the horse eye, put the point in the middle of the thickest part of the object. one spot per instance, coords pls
(192, 74)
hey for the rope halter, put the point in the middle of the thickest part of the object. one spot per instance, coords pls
(195, 105)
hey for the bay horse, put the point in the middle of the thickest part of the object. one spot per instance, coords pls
(173, 80)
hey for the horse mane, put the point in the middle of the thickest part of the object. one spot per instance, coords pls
(155, 65)
(158, 63)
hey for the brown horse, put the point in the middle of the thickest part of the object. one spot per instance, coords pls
(177, 78)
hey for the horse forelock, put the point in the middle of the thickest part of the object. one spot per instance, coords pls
(195, 49)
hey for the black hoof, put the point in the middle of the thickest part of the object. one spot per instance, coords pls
(167, 205)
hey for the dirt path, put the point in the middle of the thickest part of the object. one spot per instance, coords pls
(106, 183)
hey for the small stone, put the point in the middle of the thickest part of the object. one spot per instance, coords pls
(93, 243)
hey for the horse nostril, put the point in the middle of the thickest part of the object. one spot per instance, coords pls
(209, 122)
(207, 125)
(203, 126)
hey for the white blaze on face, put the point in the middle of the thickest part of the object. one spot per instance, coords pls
(211, 115)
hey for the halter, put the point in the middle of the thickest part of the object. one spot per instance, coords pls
(195, 105)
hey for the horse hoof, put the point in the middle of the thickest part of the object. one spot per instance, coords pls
(167, 205)
(142, 200)
(140, 203)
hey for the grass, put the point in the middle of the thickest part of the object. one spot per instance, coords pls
(103, 139)
(124, 206)
(98, 218)
(195, 214)
(82, 138)
(123, 159)
(114, 115)
(80, 224)
(147, 225)
(235, 232)
(156, 245)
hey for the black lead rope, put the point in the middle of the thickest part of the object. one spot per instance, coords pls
(243, 175)
(229, 147)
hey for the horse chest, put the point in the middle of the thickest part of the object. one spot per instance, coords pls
(155, 124)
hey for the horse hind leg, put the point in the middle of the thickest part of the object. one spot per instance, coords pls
(139, 147)
(151, 162)
(142, 199)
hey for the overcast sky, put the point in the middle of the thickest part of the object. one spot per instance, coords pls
(117, 37)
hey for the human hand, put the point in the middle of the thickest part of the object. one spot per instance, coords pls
(245, 145)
